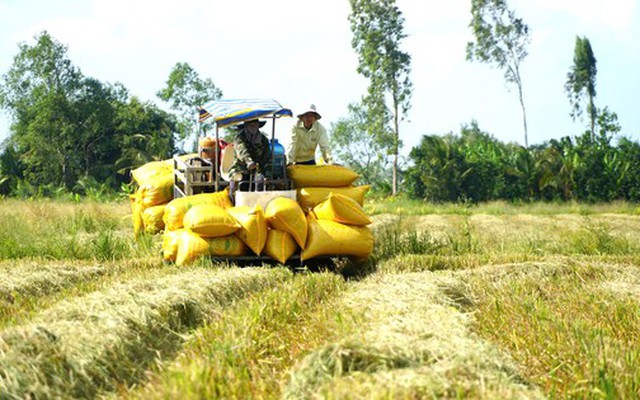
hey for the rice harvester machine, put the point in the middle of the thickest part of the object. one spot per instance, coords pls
(208, 170)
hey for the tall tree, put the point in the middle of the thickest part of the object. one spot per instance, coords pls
(38, 91)
(185, 91)
(359, 150)
(500, 38)
(581, 81)
(378, 29)
(149, 134)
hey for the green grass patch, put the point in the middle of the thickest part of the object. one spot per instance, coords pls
(68, 231)
(398, 237)
(403, 206)
(492, 300)
(571, 326)
(520, 237)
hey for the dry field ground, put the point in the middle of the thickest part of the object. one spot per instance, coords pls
(492, 301)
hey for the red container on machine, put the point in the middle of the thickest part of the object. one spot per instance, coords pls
(207, 148)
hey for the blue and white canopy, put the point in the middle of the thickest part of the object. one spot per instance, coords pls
(235, 111)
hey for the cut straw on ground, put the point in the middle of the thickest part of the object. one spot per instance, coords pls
(247, 352)
(30, 285)
(412, 342)
(97, 342)
(38, 279)
(431, 262)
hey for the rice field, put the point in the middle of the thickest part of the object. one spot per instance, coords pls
(457, 301)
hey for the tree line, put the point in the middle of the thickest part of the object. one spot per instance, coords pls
(74, 133)
(472, 165)
(71, 133)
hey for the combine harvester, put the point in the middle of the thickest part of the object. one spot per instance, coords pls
(297, 215)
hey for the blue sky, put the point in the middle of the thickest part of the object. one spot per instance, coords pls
(299, 52)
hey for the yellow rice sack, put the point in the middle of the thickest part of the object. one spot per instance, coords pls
(152, 219)
(176, 209)
(170, 240)
(253, 226)
(286, 215)
(329, 237)
(280, 245)
(184, 247)
(210, 220)
(151, 169)
(154, 168)
(310, 197)
(229, 246)
(136, 213)
(157, 190)
(342, 209)
(190, 247)
(321, 175)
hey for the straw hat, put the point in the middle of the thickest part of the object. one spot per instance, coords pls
(241, 126)
(310, 109)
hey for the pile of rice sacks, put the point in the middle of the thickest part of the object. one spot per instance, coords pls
(154, 181)
(327, 218)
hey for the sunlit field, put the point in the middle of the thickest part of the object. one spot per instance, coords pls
(488, 301)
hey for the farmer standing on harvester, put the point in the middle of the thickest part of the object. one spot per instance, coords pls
(306, 135)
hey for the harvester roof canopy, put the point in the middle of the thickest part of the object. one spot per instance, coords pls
(234, 111)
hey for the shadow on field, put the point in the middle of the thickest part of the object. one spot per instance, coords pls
(349, 268)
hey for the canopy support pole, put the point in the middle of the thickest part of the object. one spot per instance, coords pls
(216, 169)
(273, 144)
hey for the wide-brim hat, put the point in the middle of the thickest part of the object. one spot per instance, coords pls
(310, 109)
(241, 126)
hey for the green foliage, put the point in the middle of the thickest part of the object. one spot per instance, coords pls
(149, 134)
(39, 91)
(437, 171)
(452, 168)
(581, 81)
(629, 154)
(11, 169)
(378, 29)
(68, 128)
(358, 150)
(474, 166)
(185, 91)
(500, 38)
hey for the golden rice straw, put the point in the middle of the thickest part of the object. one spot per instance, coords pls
(93, 343)
(412, 341)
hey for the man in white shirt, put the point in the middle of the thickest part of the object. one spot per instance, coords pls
(306, 135)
